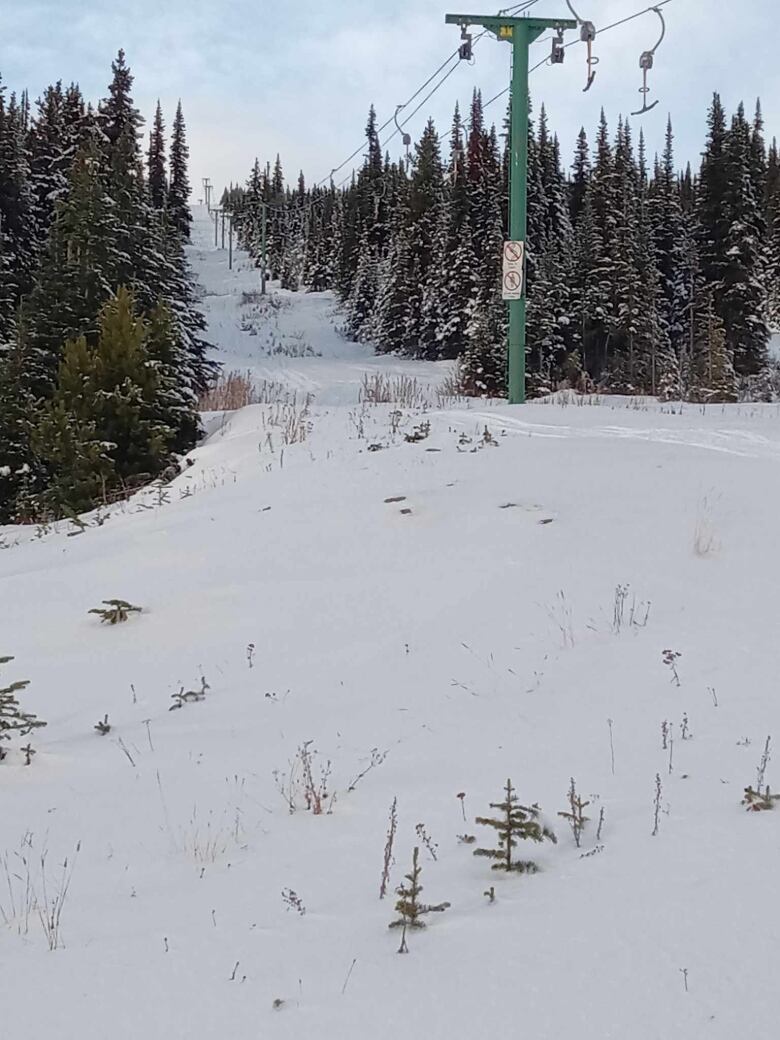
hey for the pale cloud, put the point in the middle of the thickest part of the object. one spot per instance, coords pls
(297, 78)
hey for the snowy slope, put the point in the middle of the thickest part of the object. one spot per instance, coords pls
(307, 320)
(470, 639)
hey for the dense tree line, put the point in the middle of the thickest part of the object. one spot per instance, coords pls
(101, 348)
(641, 278)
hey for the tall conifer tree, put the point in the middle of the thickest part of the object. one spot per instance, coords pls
(179, 191)
(157, 177)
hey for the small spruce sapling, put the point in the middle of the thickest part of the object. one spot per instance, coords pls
(103, 726)
(186, 696)
(12, 718)
(760, 798)
(575, 815)
(292, 901)
(419, 433)
(758, 801)
(517, 822)
(114, 611)
(408, 906)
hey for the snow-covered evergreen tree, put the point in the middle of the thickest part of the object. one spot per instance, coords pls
(773, 237)
(114, 418)
(179, 190)
(552, 337)
(76, 226)
(743, 267)
(279, 221)
(712, 197)
(710, 375)
(602, 206)
(426, 211)
(18, 212)
(393, 324)
(82, 264)
(52, 151)
(157, 177)
(665, 215)
(455, 275)
(22, 371)
(580, 176)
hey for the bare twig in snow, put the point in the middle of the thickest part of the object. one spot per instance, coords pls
(349, 976)
(657, 804)
(388, 859)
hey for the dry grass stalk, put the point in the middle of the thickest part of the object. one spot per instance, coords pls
(705, 537)
(400, 389)
(291, 417)
(231, 391)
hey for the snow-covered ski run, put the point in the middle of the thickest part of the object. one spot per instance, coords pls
(410, 600)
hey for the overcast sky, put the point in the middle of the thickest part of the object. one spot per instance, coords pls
(261, 77)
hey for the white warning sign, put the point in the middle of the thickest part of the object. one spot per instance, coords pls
(512, 283)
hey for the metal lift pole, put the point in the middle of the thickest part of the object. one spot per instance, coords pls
(521, 33)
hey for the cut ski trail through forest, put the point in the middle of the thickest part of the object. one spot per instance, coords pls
(493, 597)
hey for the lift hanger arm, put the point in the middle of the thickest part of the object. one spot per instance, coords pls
(646, 61)
(587, 35)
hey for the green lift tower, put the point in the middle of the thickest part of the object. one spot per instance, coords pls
(521, 33)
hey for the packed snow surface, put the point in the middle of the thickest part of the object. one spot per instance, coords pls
(427, 618)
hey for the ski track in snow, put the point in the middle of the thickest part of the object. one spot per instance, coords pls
(472, 638)
(731, 442)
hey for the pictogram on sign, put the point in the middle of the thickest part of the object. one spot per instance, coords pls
(512, 281)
